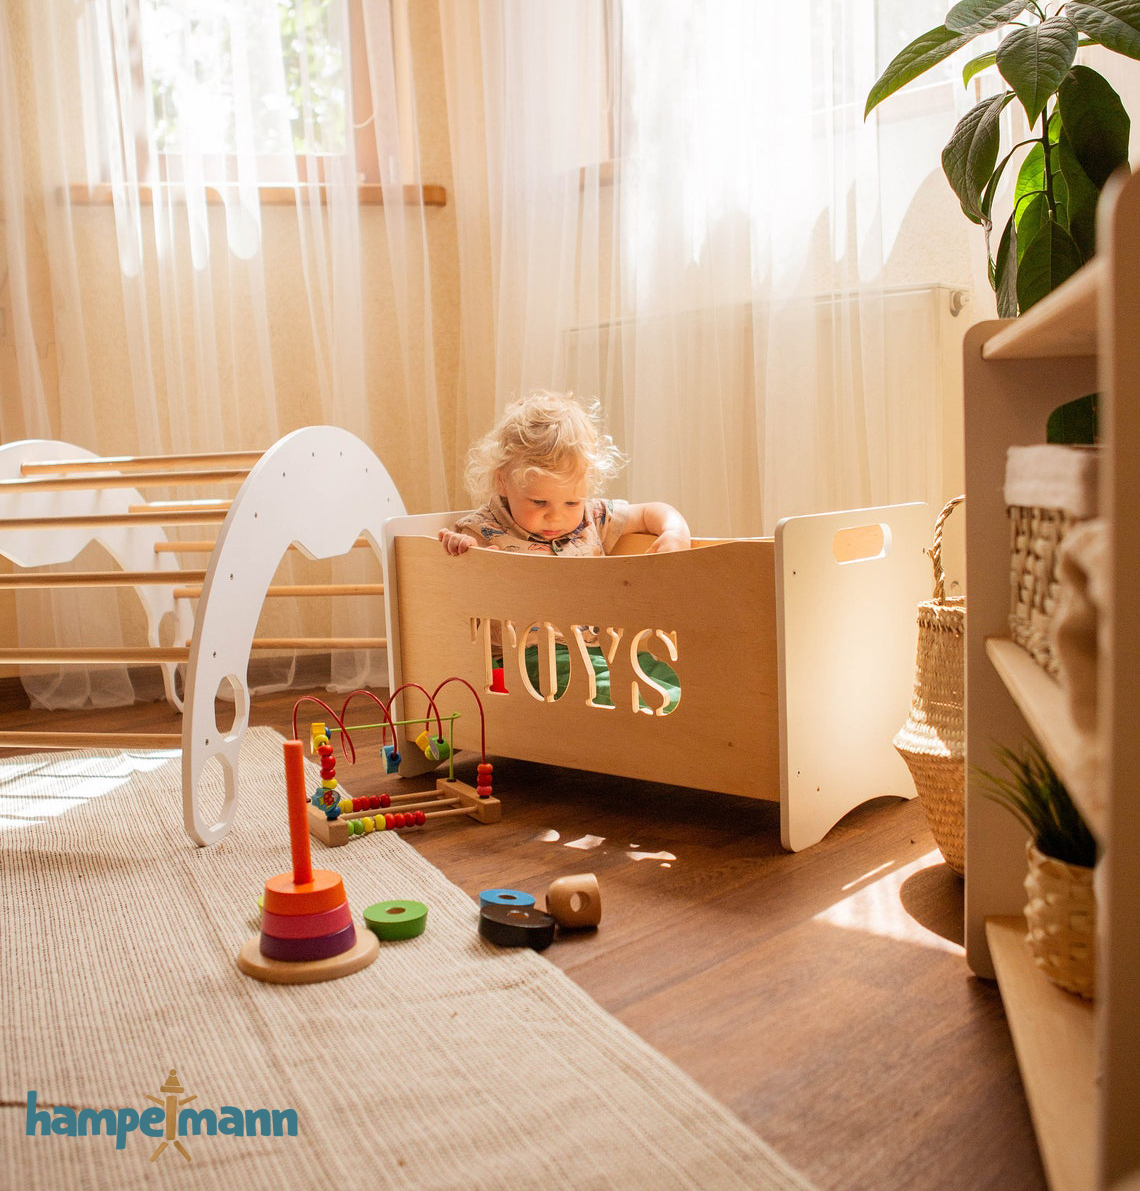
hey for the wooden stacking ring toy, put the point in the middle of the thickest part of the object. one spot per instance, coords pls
(396, 920)
(307, 933)
(575, 901)
(513, 926)
(505, 897)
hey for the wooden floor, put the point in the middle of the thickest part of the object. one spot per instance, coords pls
(823, 996)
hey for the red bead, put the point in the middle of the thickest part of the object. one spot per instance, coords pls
(483, 791)
(484, 767)
(389, 822)
(325, 750)
(421, 818)
(374, 802)
(360, 804)
(399, 819)
(385, 800)
(328, 771)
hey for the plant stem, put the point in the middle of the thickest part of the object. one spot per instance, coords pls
(1050, 202)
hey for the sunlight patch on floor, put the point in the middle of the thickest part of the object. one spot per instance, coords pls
(33, 790)
(875, 907)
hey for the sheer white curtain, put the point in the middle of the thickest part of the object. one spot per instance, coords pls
(685, 215)
(199, 310)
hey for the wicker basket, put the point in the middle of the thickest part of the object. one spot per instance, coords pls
(1061, 920)
(1048, 490)
(932, 741)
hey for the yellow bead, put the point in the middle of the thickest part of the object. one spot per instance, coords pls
(328, 783)
(346, 805)
(368, 824)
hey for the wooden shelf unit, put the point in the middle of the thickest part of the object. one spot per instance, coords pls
(1080, 1063)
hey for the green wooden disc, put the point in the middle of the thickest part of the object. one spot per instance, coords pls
(396, 920)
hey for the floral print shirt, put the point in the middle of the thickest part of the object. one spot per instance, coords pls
(603, 522)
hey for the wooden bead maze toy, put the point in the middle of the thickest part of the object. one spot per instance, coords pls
(337, 820)
(307, 932)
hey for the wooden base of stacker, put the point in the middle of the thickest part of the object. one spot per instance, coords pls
(275, 971)
(448, 799)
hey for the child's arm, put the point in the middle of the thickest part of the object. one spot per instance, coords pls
(671, 528)
(455, 542)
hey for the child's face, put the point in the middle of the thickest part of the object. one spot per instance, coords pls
(545, 506)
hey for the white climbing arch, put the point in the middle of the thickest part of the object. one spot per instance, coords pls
(319, 488)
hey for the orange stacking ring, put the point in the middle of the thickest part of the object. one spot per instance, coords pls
(284, 896)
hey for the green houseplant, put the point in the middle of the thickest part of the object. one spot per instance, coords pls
(1078, 136)
(1060, 913)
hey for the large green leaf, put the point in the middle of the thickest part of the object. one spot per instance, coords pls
(1074, 422)
(1005, 272)
(1031, 175)
(1031, 217)
(990, 192)
(976, 16)
(1095, 121)
(969, 157)
(1035, 59)
(977, 65)
(1111, 23)
(924, 52)
(1052, 257)
(985, 61)
(1080, 197)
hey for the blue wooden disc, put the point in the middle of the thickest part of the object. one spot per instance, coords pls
(505, 897)
(510, 926)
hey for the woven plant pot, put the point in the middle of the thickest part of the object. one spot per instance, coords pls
(932, 741)
(1061, 919)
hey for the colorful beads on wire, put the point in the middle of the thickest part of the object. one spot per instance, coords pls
(483, 779)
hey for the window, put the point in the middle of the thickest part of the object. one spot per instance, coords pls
(212, 82)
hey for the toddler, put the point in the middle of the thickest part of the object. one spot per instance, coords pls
(535, 474)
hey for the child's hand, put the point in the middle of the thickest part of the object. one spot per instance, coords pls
(670, 540)
(455, 543)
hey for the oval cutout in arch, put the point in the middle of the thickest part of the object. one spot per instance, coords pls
(861, 543)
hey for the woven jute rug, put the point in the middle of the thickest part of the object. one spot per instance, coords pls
(448, 1063)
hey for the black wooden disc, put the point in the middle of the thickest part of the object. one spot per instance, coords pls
(516, 926)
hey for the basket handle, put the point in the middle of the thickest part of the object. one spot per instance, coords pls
(935, 551)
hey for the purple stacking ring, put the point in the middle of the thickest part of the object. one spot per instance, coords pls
(299, 950)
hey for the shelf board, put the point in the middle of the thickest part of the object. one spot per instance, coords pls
(1041, 701)
(1063, 323)
(1054, 1036)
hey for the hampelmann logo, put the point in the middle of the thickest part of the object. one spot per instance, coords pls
(169, 1121)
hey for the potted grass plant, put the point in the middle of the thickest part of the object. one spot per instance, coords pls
(1060, 913)
(1077, 137)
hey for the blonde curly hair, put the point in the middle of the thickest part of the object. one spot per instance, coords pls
(544, 434)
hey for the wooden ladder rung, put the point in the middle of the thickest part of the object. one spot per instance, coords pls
(139, 479)
(160, 578)
(179, 506)
(140, 462)
(204, 547)
(298, 589)
(113, 655)
(194, 517)
(92, 655)
(32, 738)
(319, 643)
(100, 579)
